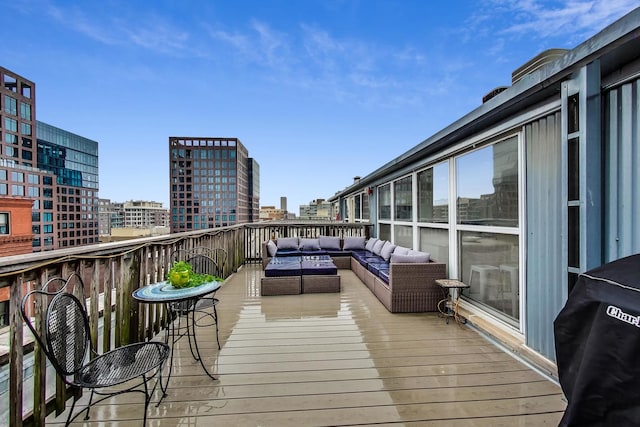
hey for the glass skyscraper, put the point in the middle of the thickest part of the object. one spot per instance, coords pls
(210, 184)
(73, 160)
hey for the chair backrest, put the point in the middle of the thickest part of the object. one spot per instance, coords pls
(203, 264)
(218, 255)
(65, 335)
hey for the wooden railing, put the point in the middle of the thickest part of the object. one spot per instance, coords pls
(111, 272)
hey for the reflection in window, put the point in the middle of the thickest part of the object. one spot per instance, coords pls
(433, 194)
(403, 198)
(384, 232)
(487, 185)
(436, 242)
(489, 265)
(403, 235)
(384, 196)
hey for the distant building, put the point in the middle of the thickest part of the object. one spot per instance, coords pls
(109, 216)
(213, 183)
(318, 209)
(271, 213)
(15, 227)
(142, 217)
(57, 171)
(73, 160)
(144, 214)
(254, 190)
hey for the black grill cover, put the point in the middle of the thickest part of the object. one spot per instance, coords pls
(597, 339)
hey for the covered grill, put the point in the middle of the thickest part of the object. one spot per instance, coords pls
(597, 340)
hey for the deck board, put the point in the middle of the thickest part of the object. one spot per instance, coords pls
(338, 360)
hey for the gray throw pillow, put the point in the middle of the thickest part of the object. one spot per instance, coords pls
(353, 243)
(387, 250)
(401, 250)
(377, 248)
(330, 243)
(288, 243)
(370, 243)
(272, 248)
(423, 257)
(310, 244)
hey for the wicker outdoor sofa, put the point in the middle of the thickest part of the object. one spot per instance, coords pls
(402, 279)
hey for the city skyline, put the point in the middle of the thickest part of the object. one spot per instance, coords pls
(319, 92)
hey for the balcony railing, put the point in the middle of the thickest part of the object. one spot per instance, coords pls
(112, 271)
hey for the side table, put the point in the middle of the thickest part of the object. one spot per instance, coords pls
(448, 306)
(178, 302)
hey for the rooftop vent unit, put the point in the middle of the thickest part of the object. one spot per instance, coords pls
(493, 93)
(536, 63)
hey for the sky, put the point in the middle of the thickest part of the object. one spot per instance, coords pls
(319, 91)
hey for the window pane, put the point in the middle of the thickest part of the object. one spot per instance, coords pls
(4, 223)
(436, 242)
(385, 232)
(489, 265)
(10, 105)
(403, 199)
(487, 181)
(25, 111)
(384, 196)
(403, 236)
(433, 194)
(11, 124)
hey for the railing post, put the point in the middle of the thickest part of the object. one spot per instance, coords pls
(16, 355)
(130, 313)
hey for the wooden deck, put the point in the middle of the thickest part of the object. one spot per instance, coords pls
(339, 360)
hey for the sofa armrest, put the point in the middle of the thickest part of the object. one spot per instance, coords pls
(265, 255)
(411, 277)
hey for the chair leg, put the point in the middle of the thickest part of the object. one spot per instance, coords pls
(215, 318)
(86, 417)
(147, 399)
(73, 405)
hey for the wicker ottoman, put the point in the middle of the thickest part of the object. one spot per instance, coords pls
(285, 285)
(320, 283)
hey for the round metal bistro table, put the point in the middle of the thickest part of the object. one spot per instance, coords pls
(180, 303)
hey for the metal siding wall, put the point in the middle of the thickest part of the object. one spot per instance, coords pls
(545, 258)
(622, 172)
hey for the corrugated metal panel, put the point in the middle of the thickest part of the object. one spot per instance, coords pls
(546, 266)
(622, 172)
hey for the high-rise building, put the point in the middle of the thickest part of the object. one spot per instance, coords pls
(73, 160)
(209, 183)
(55, 170)
(19, 178)
(254, 190)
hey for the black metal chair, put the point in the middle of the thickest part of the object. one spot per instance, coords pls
(205, 264)
(66, 341)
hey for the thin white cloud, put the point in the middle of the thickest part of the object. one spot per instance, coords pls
(158, 35)
(259, 45)
(77, 21)
(577, 18)
(152, 33)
